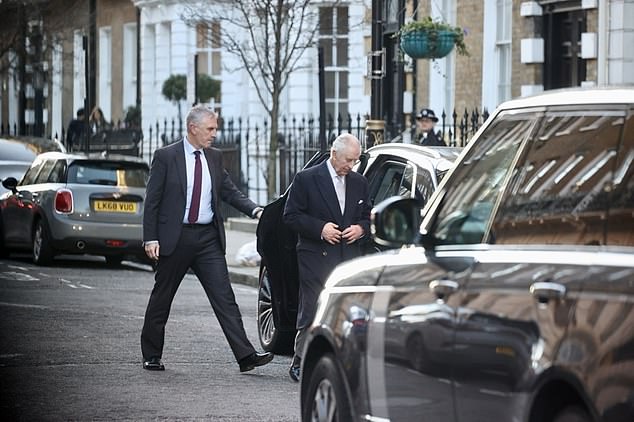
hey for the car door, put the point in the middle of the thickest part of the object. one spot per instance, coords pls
(411, 337)
(390, 176)
(422, 311)
(516, 310)
(17, 212)
(278, 281)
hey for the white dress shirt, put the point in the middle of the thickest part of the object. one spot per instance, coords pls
(205, 214)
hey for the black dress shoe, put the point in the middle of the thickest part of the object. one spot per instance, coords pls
(293, 371)
(255, 359)
(154, 364)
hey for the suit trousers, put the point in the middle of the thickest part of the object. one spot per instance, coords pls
(199, 249)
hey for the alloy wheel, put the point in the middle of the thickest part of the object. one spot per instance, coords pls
(266, 322)
(324, 403)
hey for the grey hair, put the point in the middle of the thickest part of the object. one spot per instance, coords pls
(343, 141)
(198, 113)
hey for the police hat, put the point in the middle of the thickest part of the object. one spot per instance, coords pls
(427, 113)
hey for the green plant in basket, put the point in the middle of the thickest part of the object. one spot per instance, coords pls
(428, 38)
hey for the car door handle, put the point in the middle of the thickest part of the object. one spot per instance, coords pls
(443, 288)
(545, 291)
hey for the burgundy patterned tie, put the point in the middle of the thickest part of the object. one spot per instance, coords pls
(192, 217)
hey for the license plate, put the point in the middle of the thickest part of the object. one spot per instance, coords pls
(112, 206)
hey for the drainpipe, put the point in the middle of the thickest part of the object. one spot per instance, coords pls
(604, 38)
(92, 56)
(138, 64)
(375, 127)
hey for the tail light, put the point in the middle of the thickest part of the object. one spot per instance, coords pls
(64, 201)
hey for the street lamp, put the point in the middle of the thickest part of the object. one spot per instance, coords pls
(375, 127)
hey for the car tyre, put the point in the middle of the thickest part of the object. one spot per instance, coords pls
(3, 249)
(326, 399)
(42, 249)
(572, 414)
(272, 338)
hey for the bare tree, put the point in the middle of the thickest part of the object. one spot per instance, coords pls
(55, 16)
(30, 31)
(269, 37)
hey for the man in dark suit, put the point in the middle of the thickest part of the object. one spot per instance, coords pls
(183, 228)
(329, 209)
(76, 132)
(426, 121)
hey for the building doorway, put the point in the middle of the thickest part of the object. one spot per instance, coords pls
(564, 22)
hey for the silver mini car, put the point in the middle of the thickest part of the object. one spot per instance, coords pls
(75, 204)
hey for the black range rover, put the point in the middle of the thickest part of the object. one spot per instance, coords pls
(513, 300)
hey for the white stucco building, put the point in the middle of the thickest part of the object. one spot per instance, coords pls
(169, 45)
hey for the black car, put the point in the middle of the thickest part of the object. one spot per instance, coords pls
(513, 300)
(392, 169)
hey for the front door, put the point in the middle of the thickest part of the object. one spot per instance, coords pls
(563, 65)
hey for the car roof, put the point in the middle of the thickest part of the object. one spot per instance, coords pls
(414, 152)
(92, 156)
(573, 96)
(25, 149)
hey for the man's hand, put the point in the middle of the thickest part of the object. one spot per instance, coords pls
(152, 250)
(331, 233)
(352, 233)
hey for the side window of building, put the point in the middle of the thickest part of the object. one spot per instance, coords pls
(560, 188)
(333, 38)
(620, 221)
(467, 206)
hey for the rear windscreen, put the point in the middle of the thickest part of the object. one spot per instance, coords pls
(111, 173)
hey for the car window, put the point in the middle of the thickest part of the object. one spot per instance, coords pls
(468, 204)
(108, 173)
(559, 191)
(57, 173)
(386, 181)
(620, 229)
(45, 171)
(424, 185)
(31, 174)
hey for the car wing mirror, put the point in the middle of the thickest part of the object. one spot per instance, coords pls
(396, 221)
(11, 184)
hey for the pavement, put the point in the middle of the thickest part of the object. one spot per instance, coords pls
(240, 232)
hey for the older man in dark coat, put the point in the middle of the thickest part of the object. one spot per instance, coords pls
(328, 207)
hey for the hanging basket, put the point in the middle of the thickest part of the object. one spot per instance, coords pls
(421, 44)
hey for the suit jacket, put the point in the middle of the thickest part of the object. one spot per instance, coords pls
(166, 195)
(311, 203)
(75, 134)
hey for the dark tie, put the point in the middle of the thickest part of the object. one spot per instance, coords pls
(198, 179)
